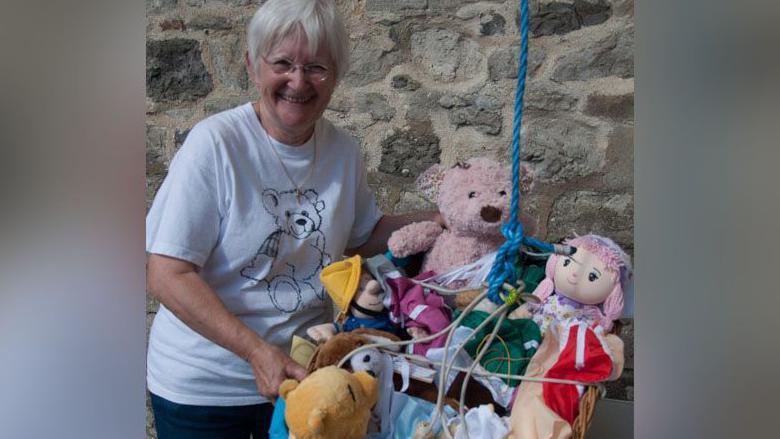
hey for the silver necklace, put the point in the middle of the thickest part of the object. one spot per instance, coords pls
(298, 187)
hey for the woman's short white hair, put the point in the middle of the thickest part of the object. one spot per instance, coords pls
(318, 20)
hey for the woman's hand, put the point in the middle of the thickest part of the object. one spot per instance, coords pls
(271, 366)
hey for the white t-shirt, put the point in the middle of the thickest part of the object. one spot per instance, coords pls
(227, 206)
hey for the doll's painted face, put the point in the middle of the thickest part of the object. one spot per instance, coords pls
(584, 278)
(370, 294)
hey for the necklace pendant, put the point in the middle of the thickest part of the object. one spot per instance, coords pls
(298, 195)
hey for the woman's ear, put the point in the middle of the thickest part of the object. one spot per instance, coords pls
(250, 70)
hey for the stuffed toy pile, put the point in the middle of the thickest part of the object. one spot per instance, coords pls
(564, 336)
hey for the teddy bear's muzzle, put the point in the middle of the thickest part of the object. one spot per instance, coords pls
(490, 214)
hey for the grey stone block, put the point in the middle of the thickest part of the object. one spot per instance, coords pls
(547, 100)
(560, 149)
(420, 105)
(558, 18)
(485, 121)
(619, 108)
(592, 12)
(157, 6)
(209, 21)
(553, 19)
(227, 56)
(376, 6)
(444, 5)
(370, 63)
(445, 54)
(491, 23)
(610, 56)
(409, 153)
(404, 83)
(175, 71)
(375, 105)
(503, 63)
(619, 170)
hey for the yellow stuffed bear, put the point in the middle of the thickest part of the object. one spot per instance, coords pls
(331, 403)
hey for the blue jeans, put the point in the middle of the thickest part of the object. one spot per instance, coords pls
(180, 421)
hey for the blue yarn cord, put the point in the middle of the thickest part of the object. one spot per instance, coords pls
(503, 269)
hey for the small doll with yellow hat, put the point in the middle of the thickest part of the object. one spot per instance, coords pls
(358, 290)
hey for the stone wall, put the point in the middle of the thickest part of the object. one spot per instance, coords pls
(434, 81)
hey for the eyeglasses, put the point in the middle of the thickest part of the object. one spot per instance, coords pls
(313, 72)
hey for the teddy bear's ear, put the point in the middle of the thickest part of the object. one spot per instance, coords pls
(313, 198)
(333, 350)
(317, 422)
(270, 200)
(287, 386)
(429, 182)
(369, 385)
(373, 338)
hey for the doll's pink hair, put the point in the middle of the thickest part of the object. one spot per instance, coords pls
(612, 256)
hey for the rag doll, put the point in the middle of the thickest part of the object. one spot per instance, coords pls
(586, 286)
(358, 293)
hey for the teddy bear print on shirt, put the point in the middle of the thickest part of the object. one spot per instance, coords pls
(298, 221)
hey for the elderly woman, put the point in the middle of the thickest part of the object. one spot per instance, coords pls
(256, 202)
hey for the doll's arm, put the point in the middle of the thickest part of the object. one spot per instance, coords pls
(522, 312)
(321, 333)
(417, 332)
(414, 238)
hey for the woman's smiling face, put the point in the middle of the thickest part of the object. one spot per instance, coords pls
(290, 103)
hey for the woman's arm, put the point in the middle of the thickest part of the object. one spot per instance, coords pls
(377, 242)
(178, 286)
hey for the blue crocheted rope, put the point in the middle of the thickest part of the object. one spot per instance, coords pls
(503, 269)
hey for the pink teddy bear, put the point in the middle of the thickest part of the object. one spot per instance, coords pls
(474, 199)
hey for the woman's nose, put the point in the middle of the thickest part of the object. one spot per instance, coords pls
(297, 78)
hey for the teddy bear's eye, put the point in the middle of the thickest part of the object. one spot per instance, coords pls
(287, 213)
(502, 193)
(304, 213)
(472, 194)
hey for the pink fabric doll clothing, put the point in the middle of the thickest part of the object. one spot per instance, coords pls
(560, 309)
(413, 306)
(584, 358)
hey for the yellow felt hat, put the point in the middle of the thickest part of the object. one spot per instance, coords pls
(341, 280)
